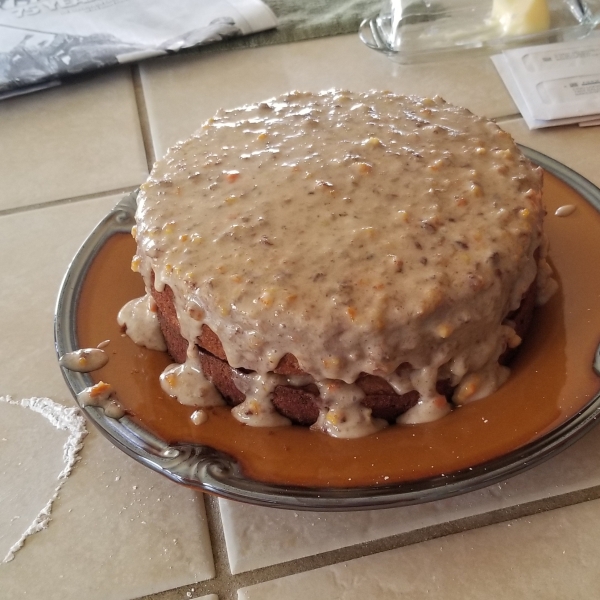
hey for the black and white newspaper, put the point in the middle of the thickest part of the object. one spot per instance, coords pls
(43, 41)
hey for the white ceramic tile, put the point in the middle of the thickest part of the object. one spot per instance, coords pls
(118, 530)
(28, 470)
(553, 555)
(258, 537)
(81, 138)
(577, 147)
(182, 92)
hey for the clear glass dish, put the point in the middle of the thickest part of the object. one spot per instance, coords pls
(420, 30)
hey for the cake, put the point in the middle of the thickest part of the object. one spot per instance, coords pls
(339, 260)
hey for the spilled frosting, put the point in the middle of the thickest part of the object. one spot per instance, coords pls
(84, 360)
(199, 417)
(360, 233)
(565, 210)
(102, 395)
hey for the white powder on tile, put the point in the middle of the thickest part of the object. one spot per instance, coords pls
(67, 419)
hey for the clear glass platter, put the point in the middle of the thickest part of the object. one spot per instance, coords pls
(211, 470)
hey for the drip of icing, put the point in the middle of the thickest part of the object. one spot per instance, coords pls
(426, 410)
(400, 381)
(140, 320)
(84, 360)
(257, 409)
(101, 395)
(187, 383)
(299, 380)
(198, 417)
(340, 413)
(565, 210)
(67, 419)
(481, 384)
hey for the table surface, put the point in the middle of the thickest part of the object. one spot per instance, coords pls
(120, 531)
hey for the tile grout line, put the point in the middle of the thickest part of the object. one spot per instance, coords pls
(31, 207)
(507, 118)
(225, 585)
(372, 547)
(142, 108)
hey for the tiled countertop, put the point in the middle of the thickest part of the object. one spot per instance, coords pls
(120, 531)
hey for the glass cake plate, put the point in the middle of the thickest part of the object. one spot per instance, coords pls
(541, 410)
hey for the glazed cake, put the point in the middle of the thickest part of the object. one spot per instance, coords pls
(339, 260)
